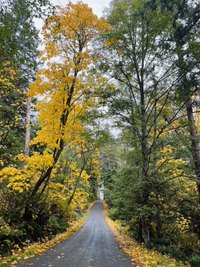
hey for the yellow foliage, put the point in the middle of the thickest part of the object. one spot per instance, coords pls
(197, 119)
(139, 254)
(63, 85)
(15, 179)
(167, 150)
(7, 74)
(1, 163)
(63, 88)
(20, 180)
(40, 161)
(84, 176)
(183, 224)
(167, 162)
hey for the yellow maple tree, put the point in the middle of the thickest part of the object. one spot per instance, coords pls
(63, 88)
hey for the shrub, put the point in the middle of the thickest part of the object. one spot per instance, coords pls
(195, 261)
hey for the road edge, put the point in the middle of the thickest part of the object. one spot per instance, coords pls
(41, 247)
(139, 254)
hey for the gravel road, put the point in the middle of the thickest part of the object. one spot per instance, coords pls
(92, 246)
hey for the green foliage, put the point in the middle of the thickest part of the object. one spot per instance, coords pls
(50, 218)
(19, 41)
(151, 55)
(154, 187)
(195, 261)
(18, 51)
(9, 237)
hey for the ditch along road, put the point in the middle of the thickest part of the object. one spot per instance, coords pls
(92, 246)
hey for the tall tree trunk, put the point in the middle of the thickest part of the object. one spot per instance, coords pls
(28, 128)
(158, 217)
(195, 147)
(140, 235)
(145, 163)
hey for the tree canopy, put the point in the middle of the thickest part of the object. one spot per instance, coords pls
(136, 69)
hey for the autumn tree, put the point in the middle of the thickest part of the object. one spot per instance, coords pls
(19, 62)
(133, 58)
(185, 35)
(139, 57)
(68, 37)
(11, 97)
(64, 85)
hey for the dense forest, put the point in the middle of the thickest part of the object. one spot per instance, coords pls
(109, 102)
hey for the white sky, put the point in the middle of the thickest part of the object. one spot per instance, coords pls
(96, 5)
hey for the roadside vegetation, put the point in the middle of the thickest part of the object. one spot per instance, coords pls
(140, 255)
(136, 69)
(28, 251)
